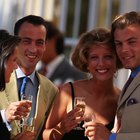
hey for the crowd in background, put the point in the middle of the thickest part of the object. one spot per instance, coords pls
(33, 64)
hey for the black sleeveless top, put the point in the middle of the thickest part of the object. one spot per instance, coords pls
(79, 134)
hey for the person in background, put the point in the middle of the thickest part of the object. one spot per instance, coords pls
(93, 54)
(53, 64)
(32, 31)
(8, 56)
(126, 37)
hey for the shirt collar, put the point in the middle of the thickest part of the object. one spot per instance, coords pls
(52, 66)
(20, 74)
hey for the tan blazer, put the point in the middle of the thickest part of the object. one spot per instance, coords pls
(128, 111)
(45, 96)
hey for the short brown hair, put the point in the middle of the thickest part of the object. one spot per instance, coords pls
(121, 21)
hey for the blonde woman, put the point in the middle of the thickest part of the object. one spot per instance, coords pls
(93, 54)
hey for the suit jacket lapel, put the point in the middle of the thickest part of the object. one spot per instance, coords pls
(11, 89)
(42, 101)
(133, 85)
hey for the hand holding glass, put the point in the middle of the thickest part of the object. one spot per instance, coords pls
(89, 117)
(79, 102)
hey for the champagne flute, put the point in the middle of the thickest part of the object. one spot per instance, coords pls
(89, 117)
(29, 99)
(29, 125)
(24, 124)
(79, 102)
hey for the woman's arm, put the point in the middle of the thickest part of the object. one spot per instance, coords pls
(59, 121)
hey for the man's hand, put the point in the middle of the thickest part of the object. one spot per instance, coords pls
(16, 110)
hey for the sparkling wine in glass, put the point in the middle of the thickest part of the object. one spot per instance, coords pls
(30, 99)
(26, 121)
(79, 102)
(29, 125)
(89, 117)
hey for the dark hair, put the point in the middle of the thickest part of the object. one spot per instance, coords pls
(53, 32)
(33, 19)
(7, 47)
(121, 21)
(97, 36)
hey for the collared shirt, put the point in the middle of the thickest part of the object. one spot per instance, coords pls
(53, 64)
(4, 120)
(31, 87)
(20, 74)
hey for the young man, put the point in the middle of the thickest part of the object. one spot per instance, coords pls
(32, 31)
(126, 36)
